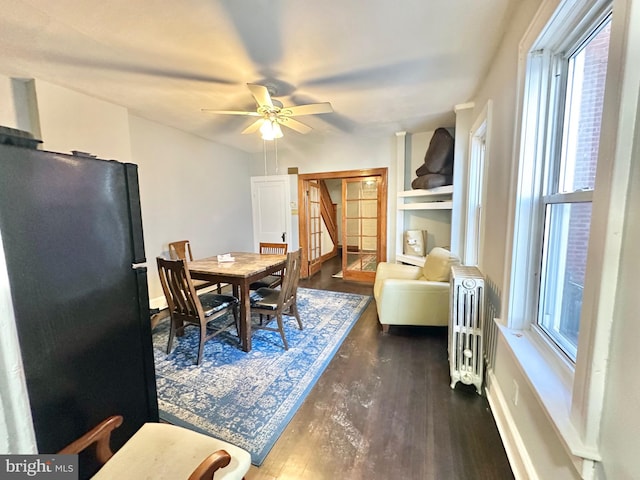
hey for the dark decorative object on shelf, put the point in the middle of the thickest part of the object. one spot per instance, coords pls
(18, 138)
(437, 169)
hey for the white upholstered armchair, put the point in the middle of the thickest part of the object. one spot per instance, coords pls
(410, 295)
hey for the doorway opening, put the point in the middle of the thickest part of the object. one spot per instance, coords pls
(352, 224)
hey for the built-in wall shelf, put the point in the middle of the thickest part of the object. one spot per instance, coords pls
(445, 190)
(439, 198)
(436, 211)
(438, 205)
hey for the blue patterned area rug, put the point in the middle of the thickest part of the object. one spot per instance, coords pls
(249, 398)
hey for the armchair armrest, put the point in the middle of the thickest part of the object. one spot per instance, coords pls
(398, 270)
(398, 286)
(100, 435)
(387, 270)
(206, 469)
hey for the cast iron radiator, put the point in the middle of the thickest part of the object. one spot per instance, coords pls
(465, 329)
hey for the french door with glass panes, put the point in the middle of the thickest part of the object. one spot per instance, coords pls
(314, 227)
(360, 228)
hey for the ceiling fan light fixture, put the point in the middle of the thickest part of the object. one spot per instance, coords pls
(271, 113)
(267, 130)
(270, 130)
(277, 131)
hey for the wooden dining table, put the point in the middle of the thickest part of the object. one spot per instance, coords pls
(245, 269)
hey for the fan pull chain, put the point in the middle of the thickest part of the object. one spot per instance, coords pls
(275, 145)
(264, 149)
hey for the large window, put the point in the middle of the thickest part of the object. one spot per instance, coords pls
(576, 94)
(569, 186)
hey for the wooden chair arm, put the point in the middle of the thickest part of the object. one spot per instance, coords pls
(207, 468)
(100, 435)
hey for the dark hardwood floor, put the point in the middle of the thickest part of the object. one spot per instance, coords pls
(383, 410)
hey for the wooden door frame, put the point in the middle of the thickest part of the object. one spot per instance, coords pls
(302, 207)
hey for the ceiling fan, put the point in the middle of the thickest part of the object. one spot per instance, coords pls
(273, 113)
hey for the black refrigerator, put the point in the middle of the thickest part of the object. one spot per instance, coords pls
(71, 230)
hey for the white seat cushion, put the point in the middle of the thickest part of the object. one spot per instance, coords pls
(160, 451)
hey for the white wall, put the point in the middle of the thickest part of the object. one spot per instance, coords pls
(330, 153)
(8, 114)
(190, 189)
(73, 121)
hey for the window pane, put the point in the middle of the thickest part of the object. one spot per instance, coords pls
(364, 262)
(564, 262)
(583, 112)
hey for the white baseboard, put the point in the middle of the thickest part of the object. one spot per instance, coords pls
(517, 454)
(159, 302)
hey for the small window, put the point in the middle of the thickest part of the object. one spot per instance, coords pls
(474, 222)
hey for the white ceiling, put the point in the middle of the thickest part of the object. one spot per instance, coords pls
(384, 65)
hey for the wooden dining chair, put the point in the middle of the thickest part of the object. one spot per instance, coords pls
(274, 302)
(182, 249)
(275, 279)
(187, 308)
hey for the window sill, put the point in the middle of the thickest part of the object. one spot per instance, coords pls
(550, 388)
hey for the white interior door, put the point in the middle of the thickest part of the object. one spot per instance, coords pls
(271, 205)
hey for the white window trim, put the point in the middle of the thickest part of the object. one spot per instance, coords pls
(575, 401)
(480, 134)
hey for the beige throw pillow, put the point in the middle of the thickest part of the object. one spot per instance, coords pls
(437, 266)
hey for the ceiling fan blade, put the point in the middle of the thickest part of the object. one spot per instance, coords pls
(309, 109)
(294, 125)
(261, 94)
(254, 127)
(232, 112)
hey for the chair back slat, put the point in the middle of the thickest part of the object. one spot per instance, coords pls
(178, 288)
(273, 248)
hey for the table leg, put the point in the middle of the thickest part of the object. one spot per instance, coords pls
(245, 317)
